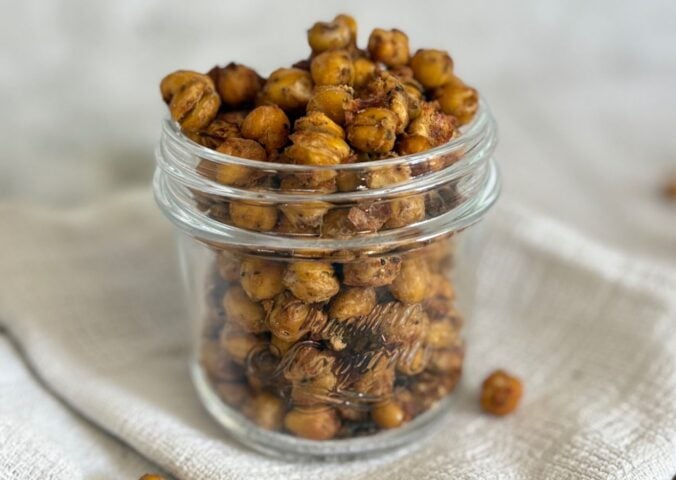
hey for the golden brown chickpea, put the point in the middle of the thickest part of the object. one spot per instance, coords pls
(441, 334)
(405, 211)
(313, 423)
(308, 363)
(371, 272)
(501, 393)
(315, 148)
(409, 144)
(217, 364)
(449, 359)
(388, 415)
(389, 47)
(352, 302)
(279, 346)
(236, 84)
(335, 224)
(302, 183)
(432, 124)
(315, 391)
(333, 67)
(238, 175)
(261, 279)
(240, 310)
(261, 218)
(228, 266)
(373, 130)
(432, 68)
(380, 177)
(311, 281)
(266, 410)
(413, 360)
(316, 121)
(216, 132)
(325, 36)
(333, 100)
(412, 284)
(350, 23)
(378, 380)
(291, 318)
(268, 125)
(369, 217)
(289, 88)
(363, 71)
(306, 214)
(402, 324)
(458, 99)
(240, 345)
(348, 180)
(192, 98)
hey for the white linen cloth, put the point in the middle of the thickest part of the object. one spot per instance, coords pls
(591, 332)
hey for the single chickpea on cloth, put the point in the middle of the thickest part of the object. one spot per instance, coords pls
(315, 347)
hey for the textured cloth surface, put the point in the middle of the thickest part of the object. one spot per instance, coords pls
(591, 332)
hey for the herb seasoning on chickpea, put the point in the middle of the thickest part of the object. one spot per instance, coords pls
(326, 199)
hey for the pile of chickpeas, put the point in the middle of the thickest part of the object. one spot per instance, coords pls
(321, 348)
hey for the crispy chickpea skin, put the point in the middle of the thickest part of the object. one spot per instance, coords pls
(316, 148)
(389, 47)
(306, 214)
(242, 311)
(289, 88)
(291, 318)
(332, 68)
(216, 132)
(371, 272)
(388, 414)
(458, 99)
(363, 71)
(435, 126)
(311, 281)
(236, 84)
(268, 125)
(261, 218)
(316, 121)
(385, 176)
(412, 285)
(373, 130)
(336, 224)
(352, 302)
(332, 100)
(325, 36)
(266, 410)
(405, 211)
(238, 175)
(500, 393)
(313, 423)
(261, 279)
(192, 98)
(432, 68)
(240, 345)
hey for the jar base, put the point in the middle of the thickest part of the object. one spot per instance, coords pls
(280, 445)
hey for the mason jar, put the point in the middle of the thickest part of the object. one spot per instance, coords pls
(327, 320)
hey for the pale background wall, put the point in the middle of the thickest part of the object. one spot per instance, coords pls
(583, 91)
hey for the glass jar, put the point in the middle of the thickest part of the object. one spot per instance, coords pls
(323, 299)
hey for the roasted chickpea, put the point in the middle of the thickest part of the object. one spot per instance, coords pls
(266, 410)
(352, 302)
(311, 281)
(409, 144)
(316, 121)
(458, 99)
(291, 318)
(389, 47)
(261, 279)
(413, 360)
(313, 423)
(192, 98)
(233, 393)
(432, 124)
(448, 360)
(306, 214)
(373, 130)
(236, 84)
(228, 266)
(333, 67)
(441, 334)
(501, 393)
(371, 272)
(363, 71)
(314, 391)
(412, 284)
(279, 346)
(315, 148)
(348, 180)
(240, 345)
(268, 125)
(325, 36)
(404, 325)
(378, 380)
(216, 132)
(380, 177)
(289, 88)
(350, 23)
(369, 217)
(240, 310)
(260, 218)
(217, 364)
(405, 211)
(439, 304)
(231, 174)
(332, 100)
(335, 224)
(432, 68)
(388, 415)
